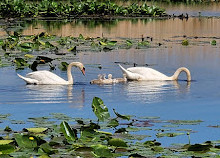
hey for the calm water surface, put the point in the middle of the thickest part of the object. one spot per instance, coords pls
(198, 99)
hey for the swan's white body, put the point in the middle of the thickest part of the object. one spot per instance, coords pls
(46, 77)
(145, 73)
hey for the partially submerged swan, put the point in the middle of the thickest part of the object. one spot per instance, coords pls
(47, 77)
(102, 80)
(145, 73)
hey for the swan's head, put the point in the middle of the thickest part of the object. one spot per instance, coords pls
(82, 68)
(109, 76)
(83, 71)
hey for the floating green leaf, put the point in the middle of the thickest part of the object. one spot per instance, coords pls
(48, 45)
(168, 134)
(3, 142)
(103, 132)
(72, 49)
(41, 42)
(157, 149)
(26, 141)
(63, 66)
(100, 110)
(103, 43)
(36, 130)
(101, 151)
(112, 43)
(46, 149)
(185, 42)
(213, 42)
(151, 143)
(117, 142)
(113, 123)
(4, 116)
(185, 122)
(20, 63)
(126, 117)
(26, 45)
(67, 131)
(6, 149)
(129, 42)
(144, 43)
(200, 147)
(29, 56)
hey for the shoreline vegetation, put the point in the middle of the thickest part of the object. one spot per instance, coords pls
(76, 9)
(87, 9)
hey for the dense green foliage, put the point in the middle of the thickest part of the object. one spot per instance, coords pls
(113, 137)
(50, 8)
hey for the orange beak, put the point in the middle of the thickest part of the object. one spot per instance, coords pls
(43, 61)
(83, 71)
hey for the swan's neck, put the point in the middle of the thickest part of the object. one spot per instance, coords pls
(178, 71)
(69, 74)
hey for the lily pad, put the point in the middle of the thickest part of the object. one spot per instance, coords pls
(4, 116)
(185, 122)
(36, 130)
(6, 149)
(3, 142)
(63, 66)
(46, 149)
(26, 141)
(168, 134)
(126, 117)
(185, 42)
(101, 151)
(213, 42)
(113, 123)
(200, 147)
(117, 142)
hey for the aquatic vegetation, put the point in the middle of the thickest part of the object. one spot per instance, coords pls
(108, 136)
(185, 42)
(27, 51)
(213, 42)
(74, 9)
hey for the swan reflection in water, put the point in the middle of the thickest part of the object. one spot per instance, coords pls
(155, 91)
(56, 94)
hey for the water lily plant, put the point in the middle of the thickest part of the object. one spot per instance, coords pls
(105, 137)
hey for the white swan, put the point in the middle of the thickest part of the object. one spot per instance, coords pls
(144, 73)
(47, 77)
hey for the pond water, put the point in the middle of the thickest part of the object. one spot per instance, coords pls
(197, 100)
